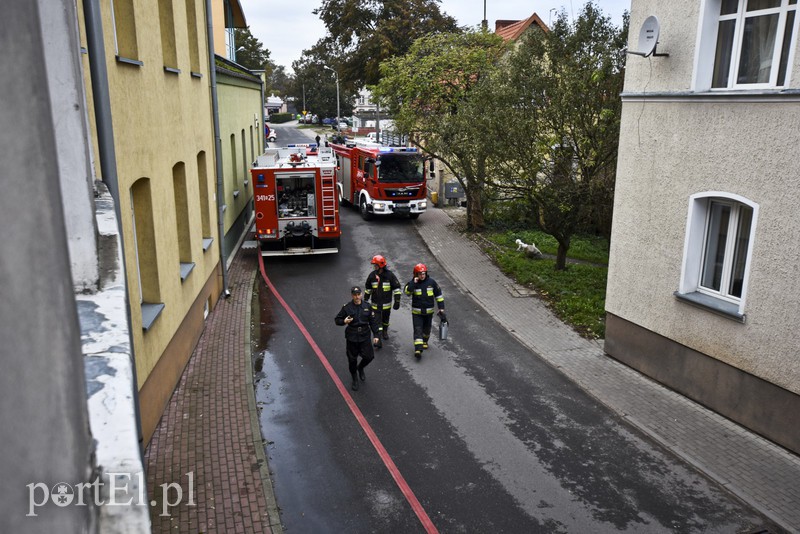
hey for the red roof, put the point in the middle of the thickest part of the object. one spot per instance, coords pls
(511, 30)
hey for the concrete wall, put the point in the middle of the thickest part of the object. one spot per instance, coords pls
(676, 142)
(42, 390)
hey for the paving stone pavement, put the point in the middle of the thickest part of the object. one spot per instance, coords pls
(211, 429)
(759, 472)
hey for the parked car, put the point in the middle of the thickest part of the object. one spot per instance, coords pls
(327, 120)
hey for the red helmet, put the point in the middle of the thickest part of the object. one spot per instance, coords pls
(379, 260)
(420, 268)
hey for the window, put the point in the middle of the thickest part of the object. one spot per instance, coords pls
(166, 19)
(144, 242)
(125, 43)
(203, 189)
(717, 251)
(194, 37)
(182, 223)
(753, 42)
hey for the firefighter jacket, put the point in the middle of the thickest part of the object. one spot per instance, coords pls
(364, 320)
(382, 288)
(423, 296)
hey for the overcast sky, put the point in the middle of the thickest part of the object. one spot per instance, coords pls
(288, 27)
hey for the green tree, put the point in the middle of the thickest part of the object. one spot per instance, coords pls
(278, 82)
(250, 53)
(437, 93)
(364, 33)
(560, 152)
(317, 87)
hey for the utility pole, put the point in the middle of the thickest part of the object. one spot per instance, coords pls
(338, 128)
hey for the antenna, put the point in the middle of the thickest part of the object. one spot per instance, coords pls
(648, 38)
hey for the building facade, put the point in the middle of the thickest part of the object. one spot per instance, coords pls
(705, 239)
(241, 114)
(161, 134)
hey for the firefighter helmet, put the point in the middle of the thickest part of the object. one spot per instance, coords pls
(420, 268)
(378, 260)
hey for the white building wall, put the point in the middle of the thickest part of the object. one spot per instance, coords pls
(675, 143)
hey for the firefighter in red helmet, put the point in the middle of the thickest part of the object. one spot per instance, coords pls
(425, 294)
(382, 287)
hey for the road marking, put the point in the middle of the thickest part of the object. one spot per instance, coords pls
(373, 438)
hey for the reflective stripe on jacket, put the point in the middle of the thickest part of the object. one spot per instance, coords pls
(426, 295)
(382, 288)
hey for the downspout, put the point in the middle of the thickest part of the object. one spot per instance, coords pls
(212, 74)
(101, 97)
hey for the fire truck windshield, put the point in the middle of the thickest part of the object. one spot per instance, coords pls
(401, 168)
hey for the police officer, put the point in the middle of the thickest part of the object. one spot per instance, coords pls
(424, 293)
(382, 287)
(359, 320)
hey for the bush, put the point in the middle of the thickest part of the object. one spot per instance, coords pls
(281, 117)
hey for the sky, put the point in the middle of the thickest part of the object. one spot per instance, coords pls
(288, 27)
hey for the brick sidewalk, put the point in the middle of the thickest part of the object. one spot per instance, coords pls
(210, 428)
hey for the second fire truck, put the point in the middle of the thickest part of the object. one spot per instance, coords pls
(381, 180)
(296, 201)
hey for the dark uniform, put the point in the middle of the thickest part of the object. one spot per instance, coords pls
(426, 296)
(358, 333)
(383, 288)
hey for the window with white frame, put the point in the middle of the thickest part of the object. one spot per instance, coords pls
(754, 43)
(718, 248)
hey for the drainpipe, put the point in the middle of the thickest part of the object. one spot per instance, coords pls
(212, 74)
(108, 156)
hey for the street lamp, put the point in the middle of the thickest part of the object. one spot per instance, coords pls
(338, 129)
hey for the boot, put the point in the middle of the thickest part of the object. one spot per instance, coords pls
(385, 332)
(354, 387)
(418, 354)
(361, 374)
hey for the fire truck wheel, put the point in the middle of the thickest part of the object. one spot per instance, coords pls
(414, 215)
(365, 214)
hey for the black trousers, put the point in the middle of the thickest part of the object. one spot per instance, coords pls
(356, 349)
(383, 313)
(422, 329)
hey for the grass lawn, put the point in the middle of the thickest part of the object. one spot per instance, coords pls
(576, 295)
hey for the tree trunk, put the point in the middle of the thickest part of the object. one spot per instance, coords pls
(561, 256)
(475, 220)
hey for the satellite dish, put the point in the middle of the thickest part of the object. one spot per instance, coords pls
(648, 37)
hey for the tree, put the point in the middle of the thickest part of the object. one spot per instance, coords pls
(316, 87)
(278, 82)
(362, 34)
(564, 89)
(437, 94)
(252, 55)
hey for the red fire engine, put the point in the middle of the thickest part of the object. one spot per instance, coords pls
(296, 201)
(381, 180)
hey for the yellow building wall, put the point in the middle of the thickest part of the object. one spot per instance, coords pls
(240, 110)
(161, 119)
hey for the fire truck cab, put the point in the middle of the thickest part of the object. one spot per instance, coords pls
(381, 180)
(296, 201)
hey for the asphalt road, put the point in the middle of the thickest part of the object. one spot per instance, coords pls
(487, 436)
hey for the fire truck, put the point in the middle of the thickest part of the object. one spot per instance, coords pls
(381, 180)
(296, 201)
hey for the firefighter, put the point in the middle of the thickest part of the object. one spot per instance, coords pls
(424, 293)
(382, 287)
(359, 320)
